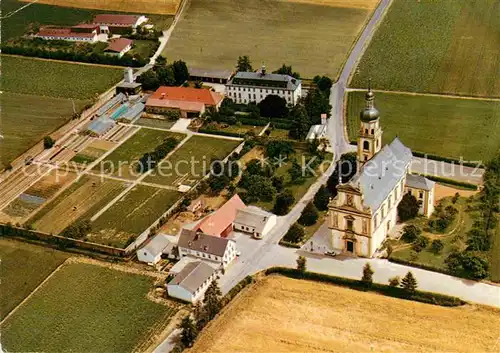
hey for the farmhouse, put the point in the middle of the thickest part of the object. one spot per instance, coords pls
(190, 102)
(119, 46)
(154, 249)
(191, 283)
(246, 87)
(212, 76)
(206, 247)
(68, 34)
(255, 221)
(118, 23)
(423, 190)
(220, 223)
(365, 209)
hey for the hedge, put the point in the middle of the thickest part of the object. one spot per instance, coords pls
(396, 292)
(289, 244)
(444, 271)
(462, 184)
(222, 133)
(236, 289)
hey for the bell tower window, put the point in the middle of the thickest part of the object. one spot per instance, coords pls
(366, 145)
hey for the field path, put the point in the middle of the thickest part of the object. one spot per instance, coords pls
(418, 94)
(137, 181)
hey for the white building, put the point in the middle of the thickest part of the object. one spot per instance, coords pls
(152, 252)
(52, 33)
(423, 190)
(207, 247)
(246, 87)
(191, 283)
(255, 221)
(364, 211)
(119, 46)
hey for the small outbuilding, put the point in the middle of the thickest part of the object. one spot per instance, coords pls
(220, 223)
(191, 283)
(154, 249)
(255, 221)
(119, 46)
(423, 190)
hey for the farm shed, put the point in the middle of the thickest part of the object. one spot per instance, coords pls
(220, 223)
(255, 221)
(119, 46)
(118, 99)
(154, 249)
(191, 283)
(213, 76)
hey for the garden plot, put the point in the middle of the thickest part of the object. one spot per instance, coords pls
(81, 200)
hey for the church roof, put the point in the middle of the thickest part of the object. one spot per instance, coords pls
(378, 177)
(416, 181)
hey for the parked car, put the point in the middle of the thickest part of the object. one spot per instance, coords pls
(330, 253)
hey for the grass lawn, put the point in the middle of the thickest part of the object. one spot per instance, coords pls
(131, 215)
(314, 38)
(159, 123)
(279, 134)
(122, 161)
(192, 160)
(445, 46)
(298, 190)
(26, 119)
(55, 78)
(448, 127)
(237, 129)
(85, 308)
(453, 238)
(144, 48)
(494, 257)
(80, 201)
(24, 267)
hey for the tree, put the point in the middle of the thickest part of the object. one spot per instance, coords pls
(346, 167)
(309, 216)
(409, 282)
(260, 188)
(474, 266)
(278, 183)
(283, 203)
(273, 106)
(296, 173)
(410, 233)
(394, 281)
(244, 64)
(408, 207)
(324, 83)
(287, 70)
(301, 264)
(316, 103)
(454, 262)
(181, 72)
(48, 142)
(420, 243)
(212, 300)
(367, 277)
(322, 198)
(478, 240)
(149, 80)
(295, 234)
(189, 331)
(279, 149)
(300, 123)
(437, 246)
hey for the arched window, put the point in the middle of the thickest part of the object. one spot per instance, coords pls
(366, 145)
(366, 131)
(373, 131)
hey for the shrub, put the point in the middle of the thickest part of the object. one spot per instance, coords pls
(420, 243)
(301, 264)
(283, 203)
(437, 246)
(322, 198)
(309, 215)
(408, 207)
(394, 281)
(48, 142)
(367, 277)
(410, 233)
(295, 234)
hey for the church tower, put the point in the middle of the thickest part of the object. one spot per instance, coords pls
(370, 133)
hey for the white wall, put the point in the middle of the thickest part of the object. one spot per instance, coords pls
(271, 222)
(146, 256)
(244, 94)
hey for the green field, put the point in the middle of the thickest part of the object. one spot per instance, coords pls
(191, 161)
(55, 78)
(131, 215)
(23, 268)
(447, 127)
(159, 123)
(122, 161)
(85, 308)
(314, 39)
(38, 117)
(445, 46)
(495, 259)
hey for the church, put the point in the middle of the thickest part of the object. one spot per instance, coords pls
(364, 211)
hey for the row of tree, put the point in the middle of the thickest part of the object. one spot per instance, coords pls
(150, 160)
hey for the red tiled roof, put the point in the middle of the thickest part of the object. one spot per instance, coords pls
(111, 19)
(188, 94)
(85, 25)
(62, 32)
(217, 222)
(118, 44)
(182, 105)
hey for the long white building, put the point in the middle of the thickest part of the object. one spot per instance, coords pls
(246, 87)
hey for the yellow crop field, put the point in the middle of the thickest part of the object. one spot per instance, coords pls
(159, 7)
(279, 314)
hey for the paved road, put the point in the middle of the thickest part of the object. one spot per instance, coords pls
(447, 170)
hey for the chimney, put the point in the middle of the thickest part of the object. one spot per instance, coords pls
(263, 70)
(162, 95)
(196, 236)
(129, 75)
(323, 119)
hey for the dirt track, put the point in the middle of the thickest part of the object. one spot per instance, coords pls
(283, 315)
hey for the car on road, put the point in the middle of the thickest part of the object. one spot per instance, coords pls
(238, 253)
(330, 253)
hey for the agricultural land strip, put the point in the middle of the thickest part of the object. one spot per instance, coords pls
(446, 46)
(270, 32)
(85, 308)
(37, 263)
(445, 126)
(274, 313)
